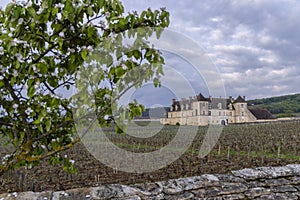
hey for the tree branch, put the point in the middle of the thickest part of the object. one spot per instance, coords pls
(17, 101)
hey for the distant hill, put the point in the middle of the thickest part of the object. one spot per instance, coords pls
(282, 106)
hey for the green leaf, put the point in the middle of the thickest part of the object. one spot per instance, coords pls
(54, 11)
(22, 135)
(137, 54)
(60, 42)
(158, 31)
(53, 82)
(45, 4)
(48, 124)
(149, 53)
(29, 82)
(32, 13)
(156, 82)
(30, 91)
(91, 32)
(40, 128)
(90, 11)
(12, 81)
(43, 68)
(84, 54)
(17, 11)
(120, 71)
(8, 8)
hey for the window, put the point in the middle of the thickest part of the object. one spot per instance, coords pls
(209, 105)
(219, 105)
(203, 112)
(219, 113)
(242, 105)
(196, 112)
(242, 113)
(209, 113)
(230, 113)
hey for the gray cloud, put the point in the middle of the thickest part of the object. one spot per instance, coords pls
(254, 43)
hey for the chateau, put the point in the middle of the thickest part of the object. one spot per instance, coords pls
(201, 111)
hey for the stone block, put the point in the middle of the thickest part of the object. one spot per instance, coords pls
(284, 189)
(184, 196)
(275, 172)
(233, 197)
(282, 196)
(276, 182)
(232, 188)
(256, 192)
(249, 174)
(229, 178)
(295, 168)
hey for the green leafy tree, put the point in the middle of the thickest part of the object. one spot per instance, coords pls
(43, 44)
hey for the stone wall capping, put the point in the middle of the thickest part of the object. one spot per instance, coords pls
(259, 183)
(249, 174)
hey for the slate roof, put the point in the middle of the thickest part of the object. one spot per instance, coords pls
(216, 101)
(262, 114)
(200, 97)
(240, 100)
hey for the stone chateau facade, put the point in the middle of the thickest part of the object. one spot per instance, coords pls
(202, 111)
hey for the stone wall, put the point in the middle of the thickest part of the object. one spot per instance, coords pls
(258, 183)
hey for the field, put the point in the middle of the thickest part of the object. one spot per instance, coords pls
(239, 146)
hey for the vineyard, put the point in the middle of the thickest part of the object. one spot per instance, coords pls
(239, 146)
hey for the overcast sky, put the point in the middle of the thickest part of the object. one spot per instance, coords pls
(255, 44)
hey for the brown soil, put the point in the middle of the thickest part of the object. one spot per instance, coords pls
(238, 147)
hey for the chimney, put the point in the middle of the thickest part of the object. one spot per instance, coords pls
(244, 98)
(173, 101)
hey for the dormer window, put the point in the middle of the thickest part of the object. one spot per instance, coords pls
(219, 105)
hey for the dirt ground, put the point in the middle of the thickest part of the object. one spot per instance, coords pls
(93, 173)
(238, 147)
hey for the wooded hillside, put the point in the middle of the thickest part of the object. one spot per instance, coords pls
(282, 105)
